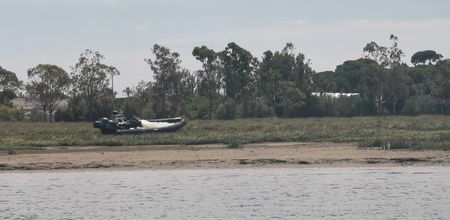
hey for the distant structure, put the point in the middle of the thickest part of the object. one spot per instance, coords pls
(334, 94)
(24, 104)
(27, 106)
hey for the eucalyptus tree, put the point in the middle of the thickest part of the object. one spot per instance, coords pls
(189, 85)
(238, 69)
(167, 74)
(377, 53)
(285, 80)
(387, 57)
(397, 87)
(179, 88)
(48, 84)
(267, 77)
(303, 74)
(294, 68)
(383, 82)
(90, 81)
(9, 85)
(142, 96)
(210, 76)
(373, 85)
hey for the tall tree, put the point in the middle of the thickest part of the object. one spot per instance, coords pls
(373, 85)
(377, 83)
(47, 84)
(9, 84)
(395, 53)
(189, 85)
(167, 74)
(285, 80)
(397, 87)
(188, 92)
(90, 81)
(142, 97)
(440, 85)
(267, 76)
(388, 57)
(209, 77)
(238, 67)
(377, 53)
(303, 74)
(178, 87)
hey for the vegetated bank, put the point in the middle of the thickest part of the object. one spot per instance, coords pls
(400, 132)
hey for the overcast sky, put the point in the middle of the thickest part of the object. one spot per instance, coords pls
(327, 31)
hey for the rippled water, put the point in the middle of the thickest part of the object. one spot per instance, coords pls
(332, 193)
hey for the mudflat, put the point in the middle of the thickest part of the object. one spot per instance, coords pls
(264, 155)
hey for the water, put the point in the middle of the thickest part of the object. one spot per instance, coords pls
(331, 193)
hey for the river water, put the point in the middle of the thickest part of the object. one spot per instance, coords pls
(318, 193)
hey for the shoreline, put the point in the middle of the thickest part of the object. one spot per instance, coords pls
(216, 156)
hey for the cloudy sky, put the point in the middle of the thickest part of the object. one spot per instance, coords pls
(327, 31)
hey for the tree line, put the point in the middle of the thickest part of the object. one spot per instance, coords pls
(233, 83)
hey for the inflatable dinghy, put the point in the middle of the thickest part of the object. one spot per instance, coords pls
(139, 126)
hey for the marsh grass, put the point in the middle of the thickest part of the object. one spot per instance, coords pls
(233, 143)
(422, 132)
(11, 150)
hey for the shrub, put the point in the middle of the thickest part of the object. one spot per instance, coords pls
(314, 107)
(401, 143)
(200, 107)
(372, 142)
(226, 110)
(10, 114)
(255, 108)
(420, 104)
(233, 143)
(11, 150)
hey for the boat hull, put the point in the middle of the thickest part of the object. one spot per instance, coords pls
(108, 126)
(175, 125)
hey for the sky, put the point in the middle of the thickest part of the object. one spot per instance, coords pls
(328, 32)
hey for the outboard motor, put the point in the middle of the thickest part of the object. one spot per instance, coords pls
(106, 125)
(134, 122)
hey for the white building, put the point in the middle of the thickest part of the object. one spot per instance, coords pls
(334, 94)
(27, 105)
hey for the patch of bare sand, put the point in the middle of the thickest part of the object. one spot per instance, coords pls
(266, 155)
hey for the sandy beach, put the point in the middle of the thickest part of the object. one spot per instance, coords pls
(265, 155)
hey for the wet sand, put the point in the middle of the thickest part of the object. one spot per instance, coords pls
(264, 155)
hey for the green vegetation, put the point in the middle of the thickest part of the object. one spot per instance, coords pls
(233, 143)
(422, 132)
(48, 85)
(9, 84)
(234, 83)
(11, 150)
(91, 86)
